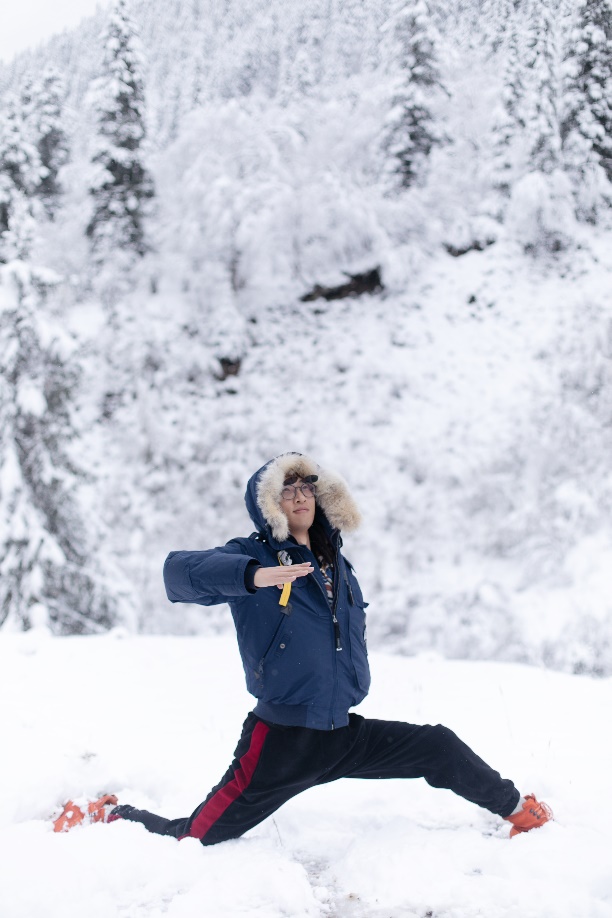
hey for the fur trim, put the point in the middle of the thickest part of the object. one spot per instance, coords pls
(333, 496)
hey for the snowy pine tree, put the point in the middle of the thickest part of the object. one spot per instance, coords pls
(43, 114)
(498, 17)
(533, 162)
(509, 149)
(302, 58)
(20, 173)
(591, 53)
(47, 575)
(547, 71)
(122, 186)
(357, 35)
(411, 132)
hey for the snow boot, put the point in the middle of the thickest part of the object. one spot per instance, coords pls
(72, 815)
(532, 815)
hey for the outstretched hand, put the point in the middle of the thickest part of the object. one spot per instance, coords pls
(279, 576)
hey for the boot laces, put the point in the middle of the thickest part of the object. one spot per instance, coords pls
(539, 810)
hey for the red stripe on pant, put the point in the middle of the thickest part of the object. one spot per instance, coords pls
(218, 804)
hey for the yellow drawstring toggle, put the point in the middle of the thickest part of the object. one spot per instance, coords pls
(285, 595)
(284, 599)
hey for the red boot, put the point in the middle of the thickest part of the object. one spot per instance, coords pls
(72, 815)
(532, 815)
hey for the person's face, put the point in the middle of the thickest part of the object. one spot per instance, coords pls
(298, 504)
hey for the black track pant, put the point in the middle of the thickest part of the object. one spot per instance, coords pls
(273, 763)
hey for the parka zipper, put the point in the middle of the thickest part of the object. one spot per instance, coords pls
(335, 623)
(334, 606)
(336, 595)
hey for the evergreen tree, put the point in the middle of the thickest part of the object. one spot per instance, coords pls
(531, 126)
(46, 571)
(592, 59)
(495, 22)
(43, 114)
(411, 132)
(509, 146)
(122, 186)
(302, 60)
(546, 110)
(20, 173)
(356, 31)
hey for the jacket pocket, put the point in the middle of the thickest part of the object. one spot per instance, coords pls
(276, 647)
(355, 594)
(359, 650)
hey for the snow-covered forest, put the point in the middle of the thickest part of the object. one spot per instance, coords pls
(176, 177)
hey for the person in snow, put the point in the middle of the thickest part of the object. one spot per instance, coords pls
(305, 660)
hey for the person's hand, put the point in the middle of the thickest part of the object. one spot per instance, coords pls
(279, 576)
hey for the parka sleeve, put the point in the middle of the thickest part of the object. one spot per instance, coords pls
(208, 577)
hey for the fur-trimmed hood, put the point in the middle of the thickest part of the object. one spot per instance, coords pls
(264, 488)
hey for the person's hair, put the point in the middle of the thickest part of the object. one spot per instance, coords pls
(319, 542)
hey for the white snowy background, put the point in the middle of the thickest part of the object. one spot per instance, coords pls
(468, 405)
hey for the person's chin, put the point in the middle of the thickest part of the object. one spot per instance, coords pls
(303, 519)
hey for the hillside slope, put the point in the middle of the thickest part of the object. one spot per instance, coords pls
(468, 403)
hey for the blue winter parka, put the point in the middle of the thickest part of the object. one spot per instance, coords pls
(300, 669)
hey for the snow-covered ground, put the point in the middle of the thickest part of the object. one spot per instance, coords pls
(155, 719)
